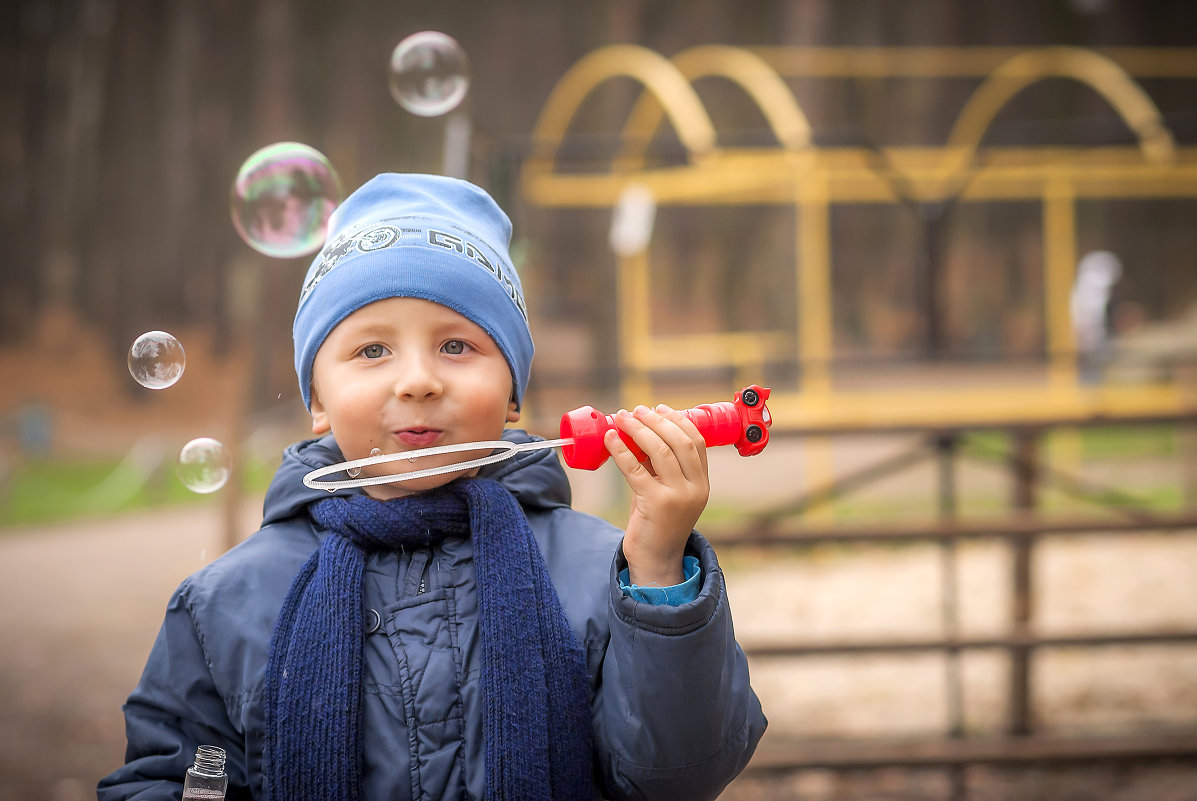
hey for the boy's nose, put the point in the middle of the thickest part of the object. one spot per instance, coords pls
(417, 379)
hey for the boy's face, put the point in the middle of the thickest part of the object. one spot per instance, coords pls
(403, 373)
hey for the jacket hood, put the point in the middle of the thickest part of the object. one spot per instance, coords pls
(535, 478)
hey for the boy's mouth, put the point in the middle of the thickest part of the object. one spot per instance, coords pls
(418, 437)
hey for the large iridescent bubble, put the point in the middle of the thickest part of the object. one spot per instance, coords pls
(156, 360)
(430, 73)
(204, 465)
(282, 198)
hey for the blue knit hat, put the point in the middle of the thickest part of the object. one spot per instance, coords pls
(416, 236)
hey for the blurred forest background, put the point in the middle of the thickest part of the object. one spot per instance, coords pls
(125, 122)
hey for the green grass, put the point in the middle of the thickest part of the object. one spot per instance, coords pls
(1129, 442)
(44, 491)
(48, 491)
(1099, 442)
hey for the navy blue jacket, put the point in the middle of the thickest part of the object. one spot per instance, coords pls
(674, 716)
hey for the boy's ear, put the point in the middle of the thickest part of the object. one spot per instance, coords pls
(320, 424)
(513, 414)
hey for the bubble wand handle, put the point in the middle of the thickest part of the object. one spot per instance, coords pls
(744, 422)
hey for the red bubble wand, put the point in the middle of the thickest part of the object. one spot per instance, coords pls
(743, 422)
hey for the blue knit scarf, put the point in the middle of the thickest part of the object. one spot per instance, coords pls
(536, 710)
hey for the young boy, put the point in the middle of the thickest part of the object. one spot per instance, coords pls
(459, 636)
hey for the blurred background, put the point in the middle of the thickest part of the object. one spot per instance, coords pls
(955, 238)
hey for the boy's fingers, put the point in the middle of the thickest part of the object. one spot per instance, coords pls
(684, 446)
(640, 432)
(658, 438)
(623, 457)
(657, 459)
(687, 425)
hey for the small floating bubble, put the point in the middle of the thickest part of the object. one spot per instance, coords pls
(204, 465)
(156, 360)
(430, 73)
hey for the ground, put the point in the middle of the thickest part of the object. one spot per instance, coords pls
(80, 605)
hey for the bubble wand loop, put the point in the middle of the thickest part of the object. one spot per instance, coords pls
(743, 422)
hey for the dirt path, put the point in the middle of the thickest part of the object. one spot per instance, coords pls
(80, 606)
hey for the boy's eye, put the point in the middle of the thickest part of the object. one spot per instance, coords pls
(374, 351)
(454, 346)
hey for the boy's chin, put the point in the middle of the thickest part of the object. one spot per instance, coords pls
(401, 489)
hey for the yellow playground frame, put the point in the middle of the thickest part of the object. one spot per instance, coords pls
(811, 179)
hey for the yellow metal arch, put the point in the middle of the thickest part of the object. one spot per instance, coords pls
(656, 73)
(746, 69)
(815, 180)
(1105, 76)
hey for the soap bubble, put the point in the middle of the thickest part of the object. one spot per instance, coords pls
(156, 360)
(204, 465)
(430, 73)
(354, 472)
(282, 198)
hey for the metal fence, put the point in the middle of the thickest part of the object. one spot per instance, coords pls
(1020, 743)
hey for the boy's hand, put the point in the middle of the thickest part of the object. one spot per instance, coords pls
(670, 490)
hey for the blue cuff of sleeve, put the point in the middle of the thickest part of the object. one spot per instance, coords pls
(676, 595)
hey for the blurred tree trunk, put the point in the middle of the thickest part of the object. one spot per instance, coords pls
(130, 241)
(25, 42)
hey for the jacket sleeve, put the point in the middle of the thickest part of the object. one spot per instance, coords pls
(174, 709)
(675, 715)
